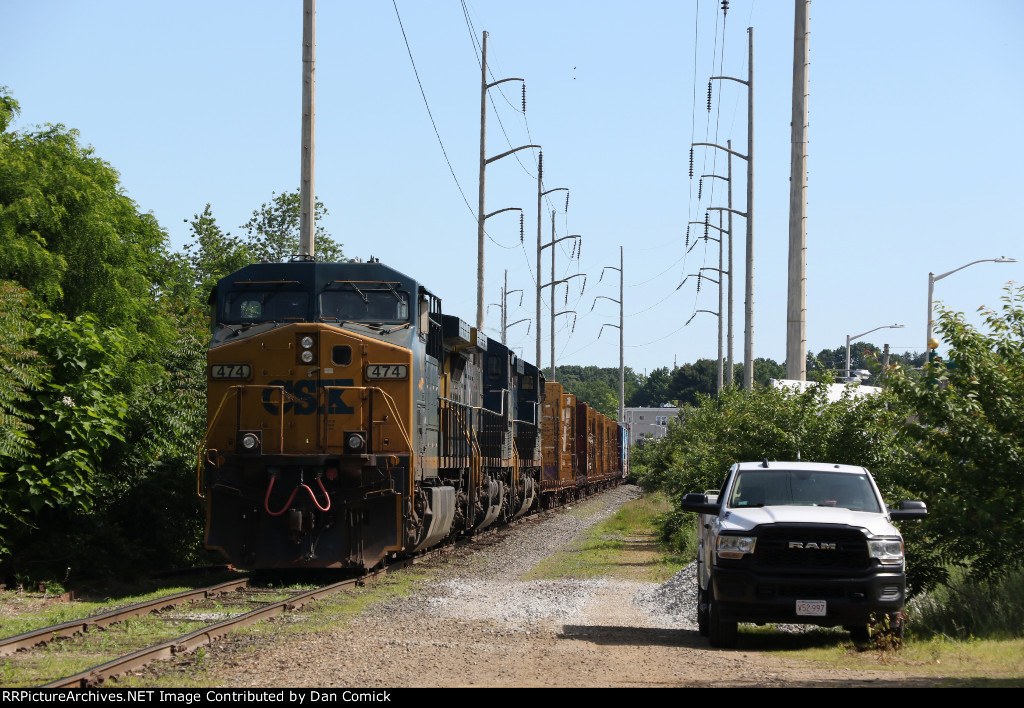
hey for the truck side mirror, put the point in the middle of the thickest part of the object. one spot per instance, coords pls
(909, 510)
(699, 504)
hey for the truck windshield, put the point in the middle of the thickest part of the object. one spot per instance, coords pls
(757, 488)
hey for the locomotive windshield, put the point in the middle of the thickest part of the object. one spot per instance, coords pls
(756, 488)
(365, 305)
(253, 306)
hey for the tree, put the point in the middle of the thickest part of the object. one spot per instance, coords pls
(967, 437)
(71, 237)
(19, 374)
(691, 380)
(655, 390)
(273, 230)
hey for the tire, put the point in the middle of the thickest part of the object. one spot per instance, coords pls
(721, 633)
(702, 611)
(859, 633)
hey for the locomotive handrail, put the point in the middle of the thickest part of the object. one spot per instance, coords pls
(502, 411)
(216, 417)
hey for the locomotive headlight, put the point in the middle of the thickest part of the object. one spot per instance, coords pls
(355, 441)
(888, 551)
(306, 342)
(306, 356)
(250, 441)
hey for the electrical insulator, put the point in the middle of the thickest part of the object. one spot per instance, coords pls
(706, 224)
(567, 200)
(700, 188)
(698, 282)
(725, 7)
(566, 294)
(520, 227)
(524, 97)
(687, 235)
(691, 162)
(709, 95)
(540, 166)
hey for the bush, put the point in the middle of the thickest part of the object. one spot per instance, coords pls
(966, 607)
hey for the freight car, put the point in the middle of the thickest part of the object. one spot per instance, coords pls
(349, 420)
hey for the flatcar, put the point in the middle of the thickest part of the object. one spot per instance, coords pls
(349, 421)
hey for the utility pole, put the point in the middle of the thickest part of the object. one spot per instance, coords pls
(484, 161)
(723, 273)
(796, 307)
(552, 284)
(307, 196)
(621, 326)
(748, 314)
(540, 194)
(720, 283)
(505, 292)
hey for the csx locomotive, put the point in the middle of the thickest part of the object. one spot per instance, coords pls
(351, 421)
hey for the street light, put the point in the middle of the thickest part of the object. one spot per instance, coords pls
(851, 338)
(931, 288)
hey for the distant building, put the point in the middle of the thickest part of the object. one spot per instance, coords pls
(649, 422)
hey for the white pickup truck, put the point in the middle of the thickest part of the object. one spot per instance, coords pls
(798, 543)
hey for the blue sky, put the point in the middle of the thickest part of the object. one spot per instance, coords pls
(914, 156)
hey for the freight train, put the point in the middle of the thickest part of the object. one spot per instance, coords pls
(350, 421)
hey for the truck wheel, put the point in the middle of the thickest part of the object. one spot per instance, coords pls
(702, 611)
(721, 634)
(859, 632)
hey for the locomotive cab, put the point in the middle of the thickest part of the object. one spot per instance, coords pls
(312, 441)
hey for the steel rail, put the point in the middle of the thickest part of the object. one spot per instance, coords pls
(38, 637)
(95, 676)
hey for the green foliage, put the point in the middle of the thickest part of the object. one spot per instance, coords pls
(210, 256)
(775, 423)
(691, 380)
(72, 238)
(965, 607)
(966, 438)
(76, 412)
(273, 230)
(19, 373)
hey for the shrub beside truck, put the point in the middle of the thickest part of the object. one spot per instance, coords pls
(799, 543)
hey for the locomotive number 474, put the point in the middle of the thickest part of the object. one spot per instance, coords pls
(387, 371)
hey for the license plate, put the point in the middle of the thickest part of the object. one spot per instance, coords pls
(810, 608)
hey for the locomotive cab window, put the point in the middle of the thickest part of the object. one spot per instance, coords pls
(493, 367)
(341, 355)
(250, 307)
(377, 306)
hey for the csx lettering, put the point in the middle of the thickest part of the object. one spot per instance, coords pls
(300, 397)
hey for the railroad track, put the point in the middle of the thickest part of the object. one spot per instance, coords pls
(189, 642)
(208, 633)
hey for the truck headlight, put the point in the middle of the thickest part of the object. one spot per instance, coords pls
(888, 551)
(735, 546)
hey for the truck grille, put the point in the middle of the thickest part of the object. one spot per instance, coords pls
(782, 547)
